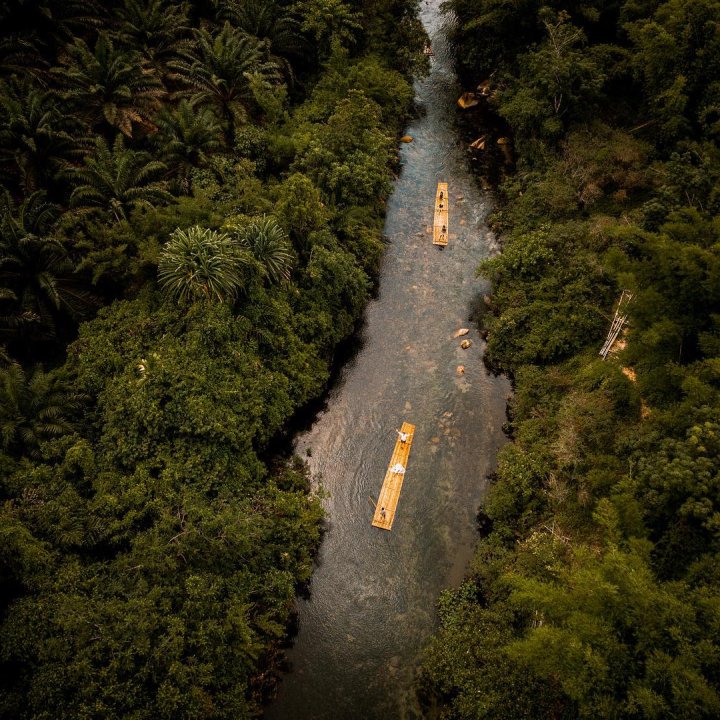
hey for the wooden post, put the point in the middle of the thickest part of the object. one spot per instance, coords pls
(617, 323)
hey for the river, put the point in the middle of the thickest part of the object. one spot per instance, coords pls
(373, 595)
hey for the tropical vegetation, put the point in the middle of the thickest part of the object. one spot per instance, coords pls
(190, 223)
(594, 592)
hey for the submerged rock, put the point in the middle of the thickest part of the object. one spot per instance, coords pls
(468, 100)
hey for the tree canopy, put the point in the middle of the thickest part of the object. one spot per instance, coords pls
(176, 271)
(594, 591)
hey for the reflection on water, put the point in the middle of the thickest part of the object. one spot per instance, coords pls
(372, 602)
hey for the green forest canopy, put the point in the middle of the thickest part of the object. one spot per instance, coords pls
(595, 591)
(190, 222)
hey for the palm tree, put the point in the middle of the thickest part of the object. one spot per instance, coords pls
(109, 85)
(270, 23)
(268, 244)
(201, 264)
(21, 58)
(219, 69)
(36, 274)
(34, 407)
(186, 137)
(157, 29)
(36, 139)
(118, 180)
(50, 23)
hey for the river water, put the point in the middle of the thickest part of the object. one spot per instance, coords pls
(373, 595)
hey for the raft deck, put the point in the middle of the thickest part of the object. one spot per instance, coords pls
(390, 493)
(441, 216)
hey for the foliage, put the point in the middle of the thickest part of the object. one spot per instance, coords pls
(342, 156)
(200, 263)
(594, 592)
(151, 548)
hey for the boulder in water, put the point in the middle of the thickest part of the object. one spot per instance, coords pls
(465, 344)
(406, 138)
(468, 100)
(461, 332)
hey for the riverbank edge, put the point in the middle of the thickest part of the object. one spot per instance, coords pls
(261, 683)
(565, 511)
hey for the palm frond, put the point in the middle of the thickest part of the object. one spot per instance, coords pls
(199, 263)
(109, 84)
(267, 242)
(217, 70)
(119, 179)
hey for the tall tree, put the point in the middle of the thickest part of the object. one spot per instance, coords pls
(186, 137)
(156, 29)
(219, 69)
(34, 406)
(35, 270)
(270, 23)
(37, 139)
(109, 85)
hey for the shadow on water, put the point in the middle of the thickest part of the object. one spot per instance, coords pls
(372, 597)
(283, 444)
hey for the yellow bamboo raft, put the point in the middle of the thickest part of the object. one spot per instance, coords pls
(441, 222)
(390, 493)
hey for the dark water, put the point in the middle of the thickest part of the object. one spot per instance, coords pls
(373, 595)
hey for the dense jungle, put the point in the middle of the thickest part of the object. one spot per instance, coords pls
(190, 224)
(595, 589)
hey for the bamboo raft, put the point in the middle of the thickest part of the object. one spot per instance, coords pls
(441, 221)
(390, 493)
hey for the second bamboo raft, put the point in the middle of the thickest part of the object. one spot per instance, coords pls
(442, 220)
